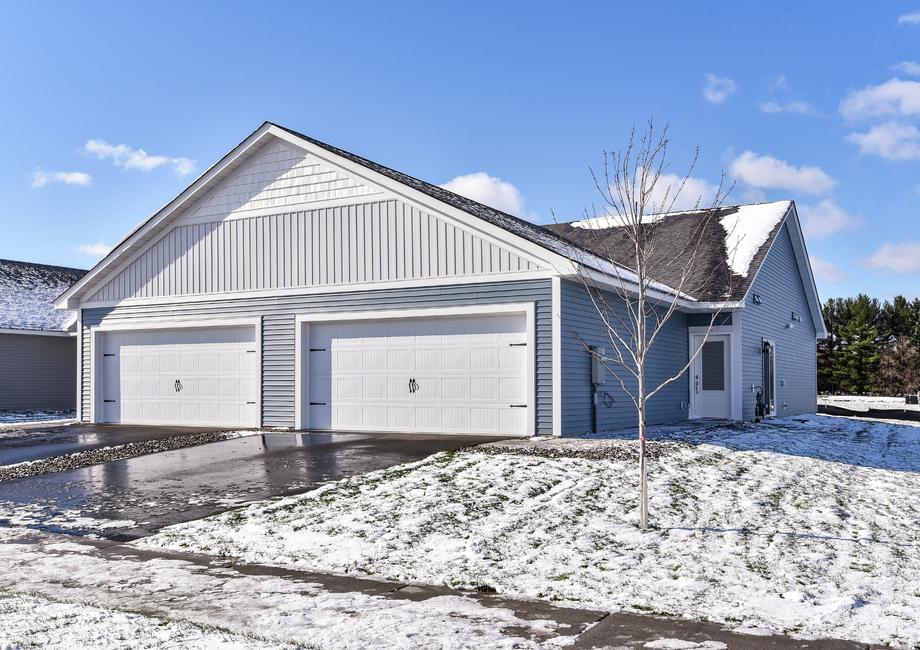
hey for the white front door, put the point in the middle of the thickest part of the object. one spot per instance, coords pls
(458, 374)
(711, 377)
(184, 377)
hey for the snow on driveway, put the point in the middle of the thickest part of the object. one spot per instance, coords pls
(809, 527)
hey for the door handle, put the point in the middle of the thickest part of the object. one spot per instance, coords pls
(178, 385)
(696, 383)
(413, 385)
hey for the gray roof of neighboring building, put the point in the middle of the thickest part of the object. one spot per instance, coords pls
(27, 294)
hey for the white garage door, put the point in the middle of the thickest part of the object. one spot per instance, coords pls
(427, 375)
(190, 377)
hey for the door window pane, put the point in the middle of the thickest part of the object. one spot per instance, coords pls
(713, 362)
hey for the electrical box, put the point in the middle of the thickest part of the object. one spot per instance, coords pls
(598, 365)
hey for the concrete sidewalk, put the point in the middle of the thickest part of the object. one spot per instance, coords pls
(312, 606)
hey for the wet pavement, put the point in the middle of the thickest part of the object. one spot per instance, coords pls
(126, 499)
(37, 443)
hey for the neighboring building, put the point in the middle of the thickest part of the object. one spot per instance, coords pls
(38, 347)
(298, 285)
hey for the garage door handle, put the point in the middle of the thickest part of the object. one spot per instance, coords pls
(178, 385)
(413, 385)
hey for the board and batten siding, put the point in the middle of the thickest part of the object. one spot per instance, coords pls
(581, 326)
(38, 372)
(781, 292)
(341, 245)
(278, 318)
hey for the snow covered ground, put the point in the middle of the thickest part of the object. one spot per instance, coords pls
(866, 402)
(32, 621)
(25, 418)
(808, 526)
(64, 594)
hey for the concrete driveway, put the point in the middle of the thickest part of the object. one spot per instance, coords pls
(126, 499)
(39, 442)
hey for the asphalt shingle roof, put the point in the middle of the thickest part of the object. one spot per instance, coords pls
(27, 294)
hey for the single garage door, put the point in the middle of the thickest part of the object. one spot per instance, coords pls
(184, 377)
(428, 375)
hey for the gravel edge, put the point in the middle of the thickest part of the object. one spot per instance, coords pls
(80, 459)
(587, 449)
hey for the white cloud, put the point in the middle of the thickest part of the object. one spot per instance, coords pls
(827, 271)
(40, 178)
(129, 158)
(717, 89)
(696, 193)
(765, 172)
(98, 249)
(911, 68)
(903, 257)
(487, 189)
(912, 18)
(780, 83)
(826, 218)
(892, 140)
(893, 97)
(794, 106)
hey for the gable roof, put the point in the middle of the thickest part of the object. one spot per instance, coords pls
(720, 250)
(27, 293)
(568, 244)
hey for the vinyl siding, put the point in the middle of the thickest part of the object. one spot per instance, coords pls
(336, 245)
(278, 316)
(781, 292)
(39, 372)
(581, 326)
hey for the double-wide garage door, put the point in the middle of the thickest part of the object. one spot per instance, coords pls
(431, 375)
(186, 377)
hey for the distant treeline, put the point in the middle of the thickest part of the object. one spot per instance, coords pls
(872, 347)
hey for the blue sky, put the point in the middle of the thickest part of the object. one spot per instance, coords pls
(815, 102)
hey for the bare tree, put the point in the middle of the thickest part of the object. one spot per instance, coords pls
(651, 271)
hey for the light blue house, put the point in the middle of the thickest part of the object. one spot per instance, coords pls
(298, 285)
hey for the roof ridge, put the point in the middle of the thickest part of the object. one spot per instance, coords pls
(43, 265)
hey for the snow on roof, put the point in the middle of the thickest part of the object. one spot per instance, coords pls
(27, 294)
(712, 264)
(747, 229)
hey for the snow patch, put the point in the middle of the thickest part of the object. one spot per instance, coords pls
(746, 231)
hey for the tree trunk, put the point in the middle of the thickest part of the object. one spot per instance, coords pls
(643, 487)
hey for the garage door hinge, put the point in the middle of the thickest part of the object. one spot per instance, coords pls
(517, 345)
(250, 351)
(518, 406)
(250, 402)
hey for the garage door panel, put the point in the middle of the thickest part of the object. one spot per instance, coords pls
(193, 377)
(458, 374)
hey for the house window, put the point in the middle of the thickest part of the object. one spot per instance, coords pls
(769, 377)
(713, 361)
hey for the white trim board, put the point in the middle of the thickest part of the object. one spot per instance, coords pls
(735, 366)
(302, 336)
(556, 315)
(37, 332)
(167, 323)
(324, 289)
